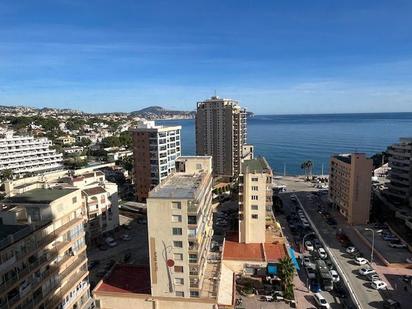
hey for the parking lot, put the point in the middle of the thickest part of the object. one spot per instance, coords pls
(392, 255)
(133, 251)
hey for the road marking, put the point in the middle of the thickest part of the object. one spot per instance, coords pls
(342, 273)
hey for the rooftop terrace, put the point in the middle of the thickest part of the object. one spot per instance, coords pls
(39, 196)
(258, 165)
(179, 186)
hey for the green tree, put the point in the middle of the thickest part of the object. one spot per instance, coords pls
(111, 141)
(126, 163)
(286, 271)
(6, 174)
(84, 142)
(125, 139)
(307, 167)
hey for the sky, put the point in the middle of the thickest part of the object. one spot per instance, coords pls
(275, 57)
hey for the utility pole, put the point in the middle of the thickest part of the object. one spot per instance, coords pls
(284, 169)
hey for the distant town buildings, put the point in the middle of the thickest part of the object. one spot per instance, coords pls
(26, 155)
(221, 133)
(155, 149)
(400, 174)
(43, 262)
(255, 198)
(350, 182)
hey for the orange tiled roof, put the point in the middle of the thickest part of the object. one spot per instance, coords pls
(243, 252)
(127, 279)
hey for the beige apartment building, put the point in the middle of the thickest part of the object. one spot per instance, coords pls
(350, 183)
(99, 198)
(155, 149)
(255, 199)
(221, 133)
(43, 262)
(179, 213)
(181, 275)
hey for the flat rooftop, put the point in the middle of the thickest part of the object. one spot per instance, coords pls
(39, 196)
(258, 165)
(6, 229)
(126, 279)
(179, 186)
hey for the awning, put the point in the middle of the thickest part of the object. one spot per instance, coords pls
(272, 269)
(293, 257)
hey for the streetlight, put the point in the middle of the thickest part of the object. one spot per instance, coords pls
(373, 240)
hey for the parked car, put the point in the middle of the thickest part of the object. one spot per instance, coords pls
(102, 247)
(350, 249)
(340, 291)
(322, 253)
(268, 298)
(409, 260)
(360, 261)
(397, 244)
(366, 271)
(110, 242)
(309, 246)
(378, 285)
(306, 261)
(372, 277)
(311, 273)
(391, 304)
(93, 264)
(335, 275)
(321, 301)
(125, 237)
(390, 238)
(314, 286)
(331, 221)
(316, 243)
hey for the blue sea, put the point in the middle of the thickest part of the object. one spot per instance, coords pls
(288, 140)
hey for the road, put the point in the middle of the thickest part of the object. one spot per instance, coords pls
(364, 294)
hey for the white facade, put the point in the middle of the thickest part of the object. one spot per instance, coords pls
(26, 154)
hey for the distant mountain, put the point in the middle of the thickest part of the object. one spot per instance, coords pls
(158, 112)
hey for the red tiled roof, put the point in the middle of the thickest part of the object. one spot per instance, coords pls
(274, 252)
(243, 252)
(127, 279)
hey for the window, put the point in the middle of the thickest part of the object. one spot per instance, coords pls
(176, 205)
(255, 197)
(178, 269)
(176, 218)
(178, 256)
(198, 166)
(194, 293)
(255, 207)
(178, 244)
(255, 188)
(255, 179)
(176, 231)
(254, 216)
(180, 294)
(74, 200)
(179, 281)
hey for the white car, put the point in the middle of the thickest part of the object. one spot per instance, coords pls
(322, 253)
(111, 242)
(350, 249)
(360, 261)
(335, 275)
(409, 260)
(321, 301)
(366, 271)
(308, 246)
(379, 285)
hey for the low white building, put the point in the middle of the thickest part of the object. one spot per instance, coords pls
(28, 155)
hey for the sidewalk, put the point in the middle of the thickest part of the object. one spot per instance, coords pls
(303, 296)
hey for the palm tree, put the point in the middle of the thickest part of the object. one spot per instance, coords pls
(307, 166)
(286, 270)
